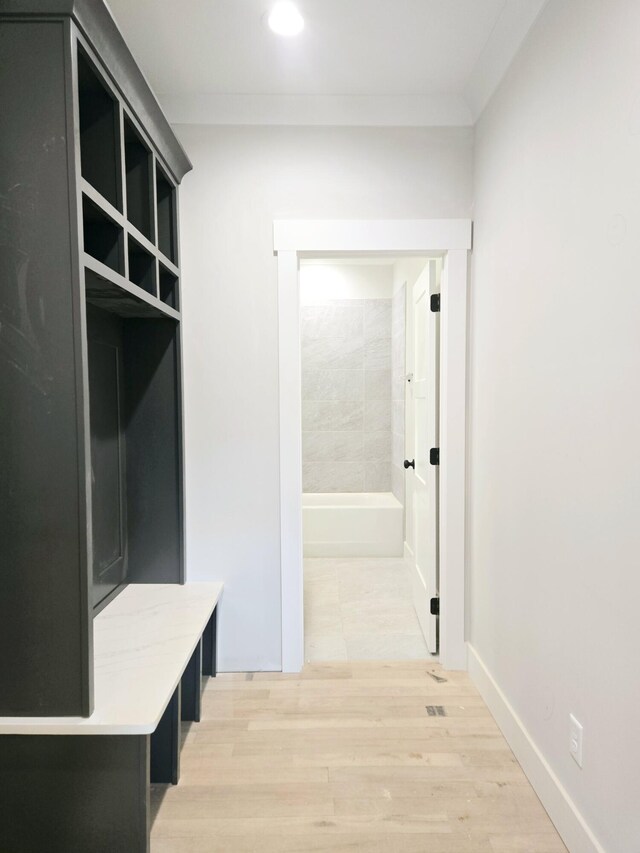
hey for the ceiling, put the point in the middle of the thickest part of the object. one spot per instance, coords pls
(385, 62)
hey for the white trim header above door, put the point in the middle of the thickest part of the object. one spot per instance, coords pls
(371, 235)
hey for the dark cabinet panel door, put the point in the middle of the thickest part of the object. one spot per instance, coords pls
(108, 484)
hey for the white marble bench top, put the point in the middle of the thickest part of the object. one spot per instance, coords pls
(143, 641)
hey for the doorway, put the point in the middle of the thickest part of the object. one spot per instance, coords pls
(358, 581)
(451, 240)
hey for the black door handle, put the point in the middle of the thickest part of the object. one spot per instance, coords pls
(411, 464)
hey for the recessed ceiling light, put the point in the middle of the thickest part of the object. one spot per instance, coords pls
(285, 19)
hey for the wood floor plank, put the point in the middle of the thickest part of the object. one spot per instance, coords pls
(471, 737)
(427, 824)
(532, 843)
(243, 775)
(336, 843)
(348, 758)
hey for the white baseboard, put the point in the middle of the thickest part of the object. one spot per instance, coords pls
(564, 813)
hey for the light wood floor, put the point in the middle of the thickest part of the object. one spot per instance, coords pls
(358, 757)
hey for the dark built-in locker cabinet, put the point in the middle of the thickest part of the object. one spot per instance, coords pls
(90, 387)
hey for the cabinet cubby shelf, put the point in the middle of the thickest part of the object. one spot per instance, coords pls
(112, 292)
(146, 244)
(90, 192)
(103, 237)
(166, 215)
(113, 213)
(138, 173)
(167, 264)
(100, 131)
(168, 287)
(142, 267)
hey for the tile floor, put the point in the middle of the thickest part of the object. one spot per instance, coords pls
(359, 609)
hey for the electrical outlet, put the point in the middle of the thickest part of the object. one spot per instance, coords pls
(575, 739)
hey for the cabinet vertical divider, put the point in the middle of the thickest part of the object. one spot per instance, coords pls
(154, 219)
(81, 376)
(123, 185)
(154, 198)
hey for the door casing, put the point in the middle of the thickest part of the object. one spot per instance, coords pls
(450, 239)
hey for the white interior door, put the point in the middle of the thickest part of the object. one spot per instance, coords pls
(423, 389)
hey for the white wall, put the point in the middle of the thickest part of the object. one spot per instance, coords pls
(345, 332)
(554, 532)
(321, 281)
(242, 179)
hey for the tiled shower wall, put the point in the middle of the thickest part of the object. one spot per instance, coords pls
(398, 384)
(346, 396)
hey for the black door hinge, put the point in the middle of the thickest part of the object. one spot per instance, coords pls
(435, 302)
(435, 606)
(434, 456)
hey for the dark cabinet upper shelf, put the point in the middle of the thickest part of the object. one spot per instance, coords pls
(142, 267)
(166, 196)
(103, 238)
(129, 214)
(168, 286)
(99, 133)
(112, 292)
(138, 166)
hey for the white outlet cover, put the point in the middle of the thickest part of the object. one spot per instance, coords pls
(576, 732)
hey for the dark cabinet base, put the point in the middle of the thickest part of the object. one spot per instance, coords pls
(90, 793)
(165, 745)
(209, 649)
(192, 687)
(74, 794)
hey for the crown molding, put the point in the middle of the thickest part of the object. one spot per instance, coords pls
(319, 110)
(510, 31)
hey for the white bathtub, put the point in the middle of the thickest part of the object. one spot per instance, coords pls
(352, 525)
